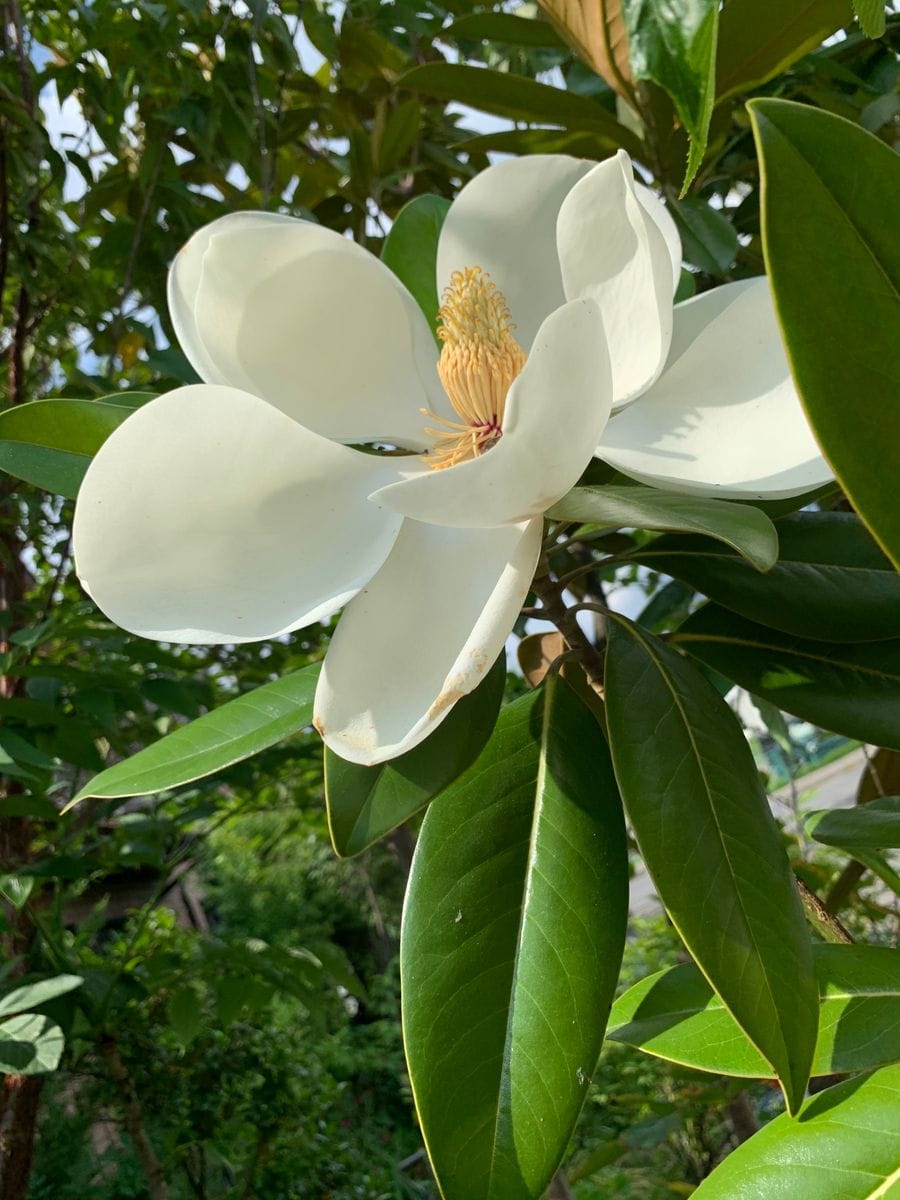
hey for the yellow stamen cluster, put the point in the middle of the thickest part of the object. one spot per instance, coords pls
(479, 360)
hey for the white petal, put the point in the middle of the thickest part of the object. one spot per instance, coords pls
(310, 322)
(612, 251)
(504, 221)
(209, 516)
(661, 216)
(724, 419)
(555, 411)
(422, 635)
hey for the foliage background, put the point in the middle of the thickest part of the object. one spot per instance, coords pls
(237, 1031)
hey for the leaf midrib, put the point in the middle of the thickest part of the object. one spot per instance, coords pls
(729, 640)
(750, 929)
(529, 875)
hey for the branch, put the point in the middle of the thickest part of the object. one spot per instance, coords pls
(157, 1188)
(554, 608)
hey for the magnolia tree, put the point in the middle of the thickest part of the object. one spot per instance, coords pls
(481, 426)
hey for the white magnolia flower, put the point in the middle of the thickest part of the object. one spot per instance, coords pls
(237, 509)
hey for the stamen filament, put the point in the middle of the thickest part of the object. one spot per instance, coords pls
(479, 360)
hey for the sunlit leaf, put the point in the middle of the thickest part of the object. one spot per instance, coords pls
(835, 277)
(512, 936)
(227, 735)
(745, 528)
(676, 1015)
(844, 1145)
(708, 839)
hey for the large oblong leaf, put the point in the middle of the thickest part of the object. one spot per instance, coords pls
(760, 38)
(512, 937)
(676, 1015)
(741, 526)
(835, 277)
(227, 735)
(365, 803)
(712, 847)
(520, 99)
(851, 689)
(50, 443)
(871, 826)
(844, 1145)
(831, 581)
(506, 28)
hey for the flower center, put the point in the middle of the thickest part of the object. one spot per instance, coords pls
(479, 360)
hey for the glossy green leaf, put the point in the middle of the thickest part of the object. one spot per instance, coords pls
(130, 400)
(673, 43)
(831, 581)
(711, 846)
(871, 15)
(740, 526)
(852, 689)
(50, 443)
(31, 995)
(760, 38)
(30, 1044)
(410, 250)
(520, 99)
(676, 1015)
(844, 1145)
(871, 826)
(512, 936)
(238, 729)
(835, 277)
(507, 29)
(708, 239)
(365, 803)
(536, 141)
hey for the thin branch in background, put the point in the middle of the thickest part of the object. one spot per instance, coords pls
(4, 180)
(157, 1188)
(128, 276)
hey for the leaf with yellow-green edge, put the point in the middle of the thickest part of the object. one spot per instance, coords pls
(710, 844)
(760, 38)
(513, 931)
(676, 1015)
(229, 734)
(873, 826)
(843, 1145)
(365, 803)
(835, 277)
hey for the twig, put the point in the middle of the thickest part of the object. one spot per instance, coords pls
(549, 592)
(821, 919)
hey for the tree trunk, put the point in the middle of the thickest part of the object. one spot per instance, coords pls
(18, 1119)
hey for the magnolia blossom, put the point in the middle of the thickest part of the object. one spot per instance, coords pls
(250, 505)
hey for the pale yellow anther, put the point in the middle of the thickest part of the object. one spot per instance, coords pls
(479, 360)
